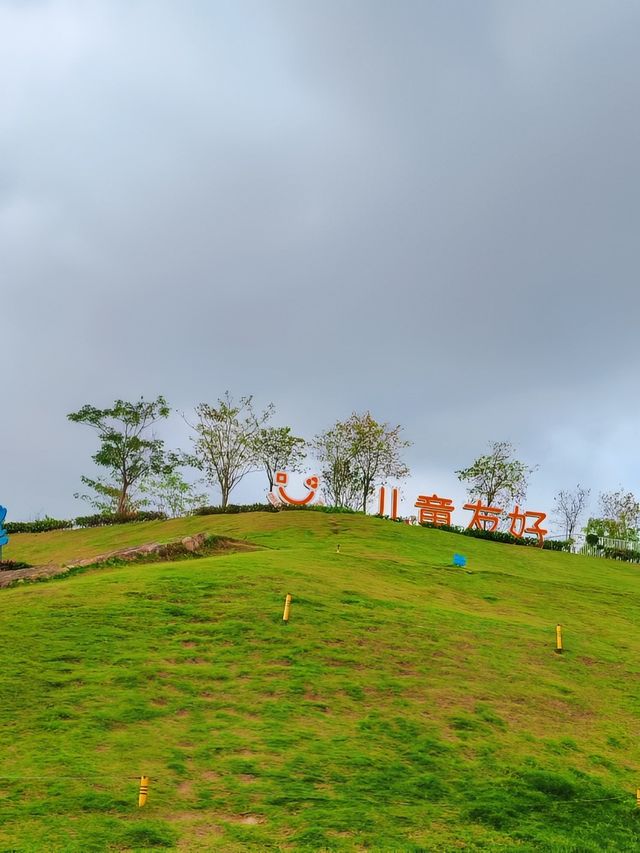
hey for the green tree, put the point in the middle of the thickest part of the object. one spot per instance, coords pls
(341, 478)
(497, 477)
(622, 512)
(376, 452)
(278, 450)
(225, 437)
(168, 492)
(128, 449)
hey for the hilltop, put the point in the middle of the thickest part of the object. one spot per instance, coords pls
(408, 705)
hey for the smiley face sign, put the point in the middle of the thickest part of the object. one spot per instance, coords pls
(311, 485)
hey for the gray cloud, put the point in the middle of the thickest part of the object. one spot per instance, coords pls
(425, 209)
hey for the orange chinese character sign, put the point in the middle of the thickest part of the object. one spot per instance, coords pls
(434, 510)
(311, 484)
(382, 501)
(519, 525)
(484, 517)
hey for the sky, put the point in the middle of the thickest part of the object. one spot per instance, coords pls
(426, 209)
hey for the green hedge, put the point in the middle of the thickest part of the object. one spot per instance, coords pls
(115, 518)
(43, 525)
(501, 536)
(233, 509)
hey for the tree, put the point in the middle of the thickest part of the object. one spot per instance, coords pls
(341, 479)
(128, 449)
(169, 493)
(606, 528)
(497, 477)
(375, 450)
(278, 449)
(569, 506)
(225, 441)
(623, 509)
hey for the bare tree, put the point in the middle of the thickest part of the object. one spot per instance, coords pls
(569, 507)
(225, 441)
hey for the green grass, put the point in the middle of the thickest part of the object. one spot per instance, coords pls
(407, 706)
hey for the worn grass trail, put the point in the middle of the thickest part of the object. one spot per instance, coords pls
(407, 706)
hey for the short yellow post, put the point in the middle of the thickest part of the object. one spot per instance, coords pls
(144, 790)
(638, 798)
(287, 608)
(559, 639)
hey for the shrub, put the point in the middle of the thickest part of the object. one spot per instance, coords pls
(232, 509)
(43, 525)
(503, 536)
(115, 518)
(10, 565)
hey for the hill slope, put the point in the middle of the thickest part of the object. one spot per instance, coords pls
(408, 705)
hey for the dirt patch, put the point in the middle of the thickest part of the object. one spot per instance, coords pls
(185, 789)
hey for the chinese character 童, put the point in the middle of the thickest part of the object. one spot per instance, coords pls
(434, 510)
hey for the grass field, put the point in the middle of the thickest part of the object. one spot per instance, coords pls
(407, 706)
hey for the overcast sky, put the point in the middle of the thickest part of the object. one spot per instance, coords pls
(425, 209)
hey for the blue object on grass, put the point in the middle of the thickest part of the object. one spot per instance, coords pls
(4, 536)
(459, 560)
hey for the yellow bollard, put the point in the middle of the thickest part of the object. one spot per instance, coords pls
(287, 608)
(144, 790)
(638, 798)
(559, 639)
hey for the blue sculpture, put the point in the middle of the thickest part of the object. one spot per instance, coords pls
(459, 560)
(4, 536)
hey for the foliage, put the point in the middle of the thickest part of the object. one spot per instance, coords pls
(279, 450)
(128, 451)
(11, 565)
(356, 455)
(342, 483)
(609, 528)
(622, 508)
(41, 525)
(104, 520)
(225, 438)
(376, 450)
(170, 494)
(569, 507)
(497, 477)
(628, 555)
(233, 509)
(502, 536)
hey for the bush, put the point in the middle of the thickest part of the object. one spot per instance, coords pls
(232, 509)
(43, 525)
(502, 536)
(10, 565)
(117, 518)
(625, 554)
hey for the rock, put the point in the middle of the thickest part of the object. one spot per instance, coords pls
(193, 543)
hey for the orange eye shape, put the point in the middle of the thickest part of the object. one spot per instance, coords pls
(282, 478)
(311, 483)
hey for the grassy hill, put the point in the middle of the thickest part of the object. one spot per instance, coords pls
(408, 705)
